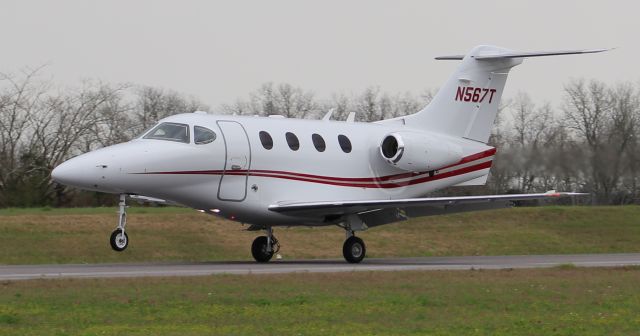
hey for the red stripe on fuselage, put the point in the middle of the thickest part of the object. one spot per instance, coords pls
(333, 180)
(424, 179)
(373, 184)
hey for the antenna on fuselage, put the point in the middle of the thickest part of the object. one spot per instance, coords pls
(328, 115)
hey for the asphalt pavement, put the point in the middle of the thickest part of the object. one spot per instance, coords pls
(25, 272)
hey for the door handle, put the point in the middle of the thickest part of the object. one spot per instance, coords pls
(235, 167)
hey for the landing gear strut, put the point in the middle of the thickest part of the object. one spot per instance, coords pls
(264, 247)
(119, 239)
(353, 249)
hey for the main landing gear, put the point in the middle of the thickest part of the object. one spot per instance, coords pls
(353, 248)
(264, 247)
(119, 239)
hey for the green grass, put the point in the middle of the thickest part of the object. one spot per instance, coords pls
(557, 301)
(90, 211)
(174, 234)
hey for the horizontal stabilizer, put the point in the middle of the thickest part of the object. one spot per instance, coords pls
(516, 54)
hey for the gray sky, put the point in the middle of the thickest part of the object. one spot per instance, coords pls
(219, 51)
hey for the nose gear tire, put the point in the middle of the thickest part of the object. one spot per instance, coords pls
(119, 241)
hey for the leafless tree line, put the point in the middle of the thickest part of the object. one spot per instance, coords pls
(42, 124)
(589, 143)
(293, 102)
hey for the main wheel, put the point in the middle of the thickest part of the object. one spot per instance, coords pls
(119, 240)
(354, 250)
(259, 249)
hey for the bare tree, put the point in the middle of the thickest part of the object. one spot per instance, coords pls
(282, 99)
(606, 119)
(18, 103)
(153, 104)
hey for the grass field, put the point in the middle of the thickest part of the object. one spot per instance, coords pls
(558, 301)
(171, 234)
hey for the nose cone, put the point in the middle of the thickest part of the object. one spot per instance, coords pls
(90, 171)
(64, 173)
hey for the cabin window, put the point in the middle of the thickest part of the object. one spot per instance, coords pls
(318, 142)
(266, 140)
(203, 135)
(292, 141)
(170, 131)
(345, 143)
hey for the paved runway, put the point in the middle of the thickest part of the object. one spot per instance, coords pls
(25, 272)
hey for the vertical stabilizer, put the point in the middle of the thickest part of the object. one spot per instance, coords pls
(467, 103)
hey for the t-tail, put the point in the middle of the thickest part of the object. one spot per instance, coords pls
(467, 104)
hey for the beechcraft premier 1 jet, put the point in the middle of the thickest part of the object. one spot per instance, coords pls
(273, 171)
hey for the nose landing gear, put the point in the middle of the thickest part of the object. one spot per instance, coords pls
(264, 247)
(119, 239)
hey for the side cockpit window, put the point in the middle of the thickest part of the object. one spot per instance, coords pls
(170, 131)
(203, 135)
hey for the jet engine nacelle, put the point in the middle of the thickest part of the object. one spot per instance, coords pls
(418, 152)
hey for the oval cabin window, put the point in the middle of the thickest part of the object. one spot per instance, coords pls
(292, 141)
(266, 140)
(345, 143)
(318, 142)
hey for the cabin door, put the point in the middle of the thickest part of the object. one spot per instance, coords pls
(233, 183)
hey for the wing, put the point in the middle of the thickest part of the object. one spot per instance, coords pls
(378, 212)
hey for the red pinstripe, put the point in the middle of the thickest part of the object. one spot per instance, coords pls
(360, 182)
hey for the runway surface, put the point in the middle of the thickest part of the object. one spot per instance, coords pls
(25, 272)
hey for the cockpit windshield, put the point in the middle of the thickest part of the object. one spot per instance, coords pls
(170, 131)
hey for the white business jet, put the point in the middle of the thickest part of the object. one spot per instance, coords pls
(273, 171)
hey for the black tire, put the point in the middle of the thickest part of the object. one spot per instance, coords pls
(119, 243)
(259, 250)
(354, 250)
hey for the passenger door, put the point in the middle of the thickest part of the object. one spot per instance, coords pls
(233, 183)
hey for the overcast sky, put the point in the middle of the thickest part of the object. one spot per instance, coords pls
(219, 51)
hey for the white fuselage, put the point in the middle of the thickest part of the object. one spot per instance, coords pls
(237, 178)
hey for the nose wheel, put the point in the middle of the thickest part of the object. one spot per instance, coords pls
(119, 239)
